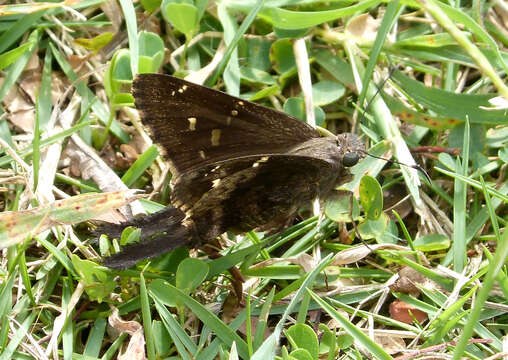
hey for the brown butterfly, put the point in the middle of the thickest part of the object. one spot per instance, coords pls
(236, 165)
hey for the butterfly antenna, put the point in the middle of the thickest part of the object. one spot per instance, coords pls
(414, 166)
(379, 88)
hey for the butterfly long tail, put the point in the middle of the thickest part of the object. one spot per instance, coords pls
(161, 232)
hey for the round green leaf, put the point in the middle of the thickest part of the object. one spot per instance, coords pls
(183, 16)
(301, 336)
(151, 52)
(150, 5)
(97, 281)
(130, 235)
(391, 234)
(371, 197)
(344, 341)
(373, 229)
(327, 92)
(328, 342)
(503, 154)
(301, 354)
(295, 106)
(338, 207)
(281, 55)
(190, 274)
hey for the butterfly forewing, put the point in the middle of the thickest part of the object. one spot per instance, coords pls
(198, 126)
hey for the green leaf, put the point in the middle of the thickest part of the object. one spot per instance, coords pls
(296, 107)
(327, 92)
(328, 342)
(190, 274)
(151, 52)
(182, 15)
(301, 354)
(282, 56)
(98, 282)
(140, 165)
(345, 341)
(338, 207)
(465, 106)
(11, 56)
(476, 138)
(371, 197)
(432, 242)
(96, 43)
(301, 336)
(150, 5)
(130, 235)
(503, 154)
(374, 228)
(288, 19)
(390, 235)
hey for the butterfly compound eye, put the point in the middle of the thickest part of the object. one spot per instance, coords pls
(350, 159)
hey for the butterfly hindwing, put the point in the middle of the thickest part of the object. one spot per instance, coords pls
(246, 193)
(198, 126)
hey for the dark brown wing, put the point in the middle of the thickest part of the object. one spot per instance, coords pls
(308, 159)
(198, 126)
(220, 180)
(259, 191)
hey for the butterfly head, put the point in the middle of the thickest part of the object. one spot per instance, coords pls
(351, 147)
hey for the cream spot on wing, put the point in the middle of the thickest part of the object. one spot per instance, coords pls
(216, 168)
(184, 87)
(173, 93)
(187, 222)
(228, 120)
(262, 160)
(241, 103)
(202, 154)
(234, 112)
(215, 183)
(192, 123)
(216, 137)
